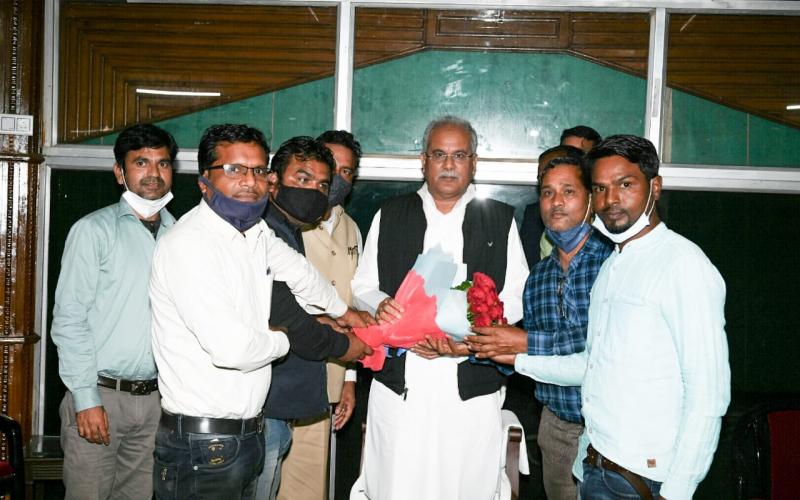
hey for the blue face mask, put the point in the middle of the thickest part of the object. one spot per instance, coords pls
(239, 214)
(571, 238)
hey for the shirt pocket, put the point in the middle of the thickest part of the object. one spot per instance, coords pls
(640, 338)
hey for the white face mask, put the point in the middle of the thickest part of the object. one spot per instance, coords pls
(642, 222)
(143, 207)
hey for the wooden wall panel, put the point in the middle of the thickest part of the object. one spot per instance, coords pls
(107, 51)
(498, 29)
(21, 23)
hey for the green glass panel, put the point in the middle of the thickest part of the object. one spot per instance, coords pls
(518, 103)
(707, 133)
(773, 144)
(303, 110)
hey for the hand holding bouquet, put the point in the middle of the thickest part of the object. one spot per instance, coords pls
(432, 308)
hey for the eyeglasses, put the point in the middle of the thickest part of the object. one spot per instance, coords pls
(236, 171)
(459, 157)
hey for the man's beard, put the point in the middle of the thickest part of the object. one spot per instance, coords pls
(618, 227)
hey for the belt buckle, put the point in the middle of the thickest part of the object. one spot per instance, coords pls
(141, 388)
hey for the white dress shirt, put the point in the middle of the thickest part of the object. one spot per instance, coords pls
(210, 292)
(655, 373)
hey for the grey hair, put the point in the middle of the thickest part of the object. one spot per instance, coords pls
(454, 121)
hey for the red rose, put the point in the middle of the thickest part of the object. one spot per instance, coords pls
(482, 320)
(479, 308)
(492, 298)
(475, 295)
(483, 281)
(496, 312)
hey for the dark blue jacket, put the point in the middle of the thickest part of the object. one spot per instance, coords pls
(299, 380)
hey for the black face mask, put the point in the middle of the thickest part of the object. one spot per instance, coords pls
(340, 188)
(306, 206)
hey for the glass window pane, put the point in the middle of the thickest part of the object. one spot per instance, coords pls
(520, 77)
(272, 67)
(731, 80)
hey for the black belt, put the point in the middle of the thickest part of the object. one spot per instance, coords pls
(207, 425)
(595, 458)
(135, 387)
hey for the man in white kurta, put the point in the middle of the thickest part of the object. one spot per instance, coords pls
(428, 443)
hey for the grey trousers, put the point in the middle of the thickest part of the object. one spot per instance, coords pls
(558, 440)
(124, 468)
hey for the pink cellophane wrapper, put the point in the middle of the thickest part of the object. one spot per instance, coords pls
(433, 271)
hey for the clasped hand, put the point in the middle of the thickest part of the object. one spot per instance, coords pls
(501, 343)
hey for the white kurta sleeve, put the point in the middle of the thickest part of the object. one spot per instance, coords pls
(516, 276)
(366, 292)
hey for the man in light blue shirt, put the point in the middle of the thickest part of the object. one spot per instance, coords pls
(655, 375)
(101, 326)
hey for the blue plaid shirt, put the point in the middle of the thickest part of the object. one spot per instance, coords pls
(557, 315)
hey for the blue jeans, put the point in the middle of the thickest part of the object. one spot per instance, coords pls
(603, 484)
(278, 437)
(206, 466)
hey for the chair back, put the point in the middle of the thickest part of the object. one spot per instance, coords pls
(767, 451)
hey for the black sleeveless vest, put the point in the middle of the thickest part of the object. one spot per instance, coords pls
(402, 232)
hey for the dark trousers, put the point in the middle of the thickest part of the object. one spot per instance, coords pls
(207, 466)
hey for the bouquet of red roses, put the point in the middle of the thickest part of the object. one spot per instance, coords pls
(433, 308)
(485, 306)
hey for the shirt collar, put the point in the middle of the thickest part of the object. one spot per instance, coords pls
(646, 241)
(331, 222)
(428, 200)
